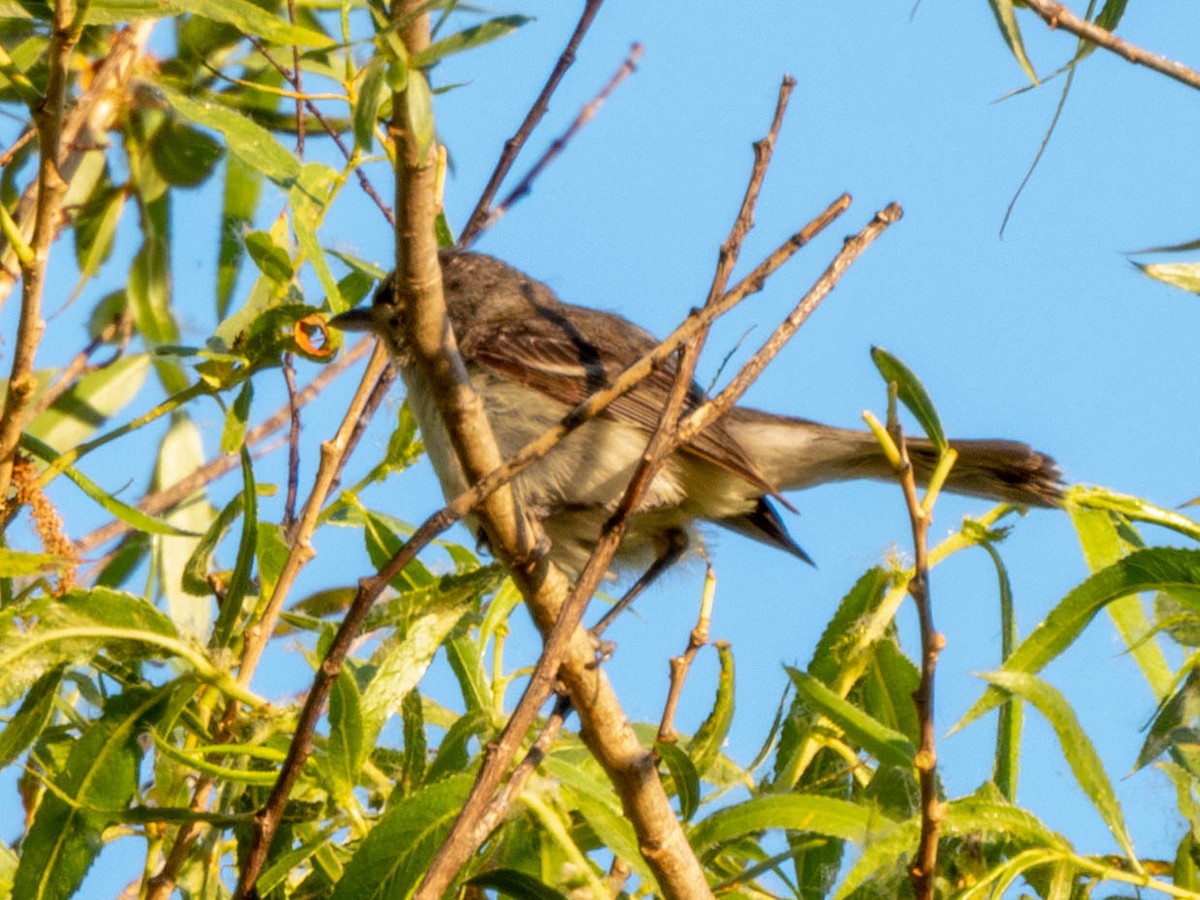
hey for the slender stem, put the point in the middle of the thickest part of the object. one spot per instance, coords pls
(512, 147)
(48, 120)
(1056, 15)
(682, 664)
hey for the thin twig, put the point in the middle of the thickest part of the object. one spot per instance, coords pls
(585, 115)
(14, 148)
(923, 869)
(682, 664)
(512, 147)
(1056, 15)
(33, 257)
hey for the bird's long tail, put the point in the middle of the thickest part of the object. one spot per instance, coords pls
(796, 453)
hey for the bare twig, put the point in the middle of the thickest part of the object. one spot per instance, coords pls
(1056, 15)
(32, 257)
(14, 148)
(585, 115)
(682, 664)
(512, 147)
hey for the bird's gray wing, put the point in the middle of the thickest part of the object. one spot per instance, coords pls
(570, 361)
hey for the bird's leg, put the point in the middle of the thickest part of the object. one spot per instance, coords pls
(675, 545)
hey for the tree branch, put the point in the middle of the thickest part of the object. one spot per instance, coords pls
(1056, 15)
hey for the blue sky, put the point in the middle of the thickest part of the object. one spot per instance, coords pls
(1047, 335)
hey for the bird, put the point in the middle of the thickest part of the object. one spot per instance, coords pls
(532, 357)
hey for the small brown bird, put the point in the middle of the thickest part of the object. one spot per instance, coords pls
(532, 357)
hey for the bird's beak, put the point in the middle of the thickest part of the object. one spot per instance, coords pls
(362, 318)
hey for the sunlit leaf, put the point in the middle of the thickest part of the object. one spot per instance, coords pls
(684, 777)
(1159, 568)
(1077, 747)
(1185, 276)
(396, 853)
(885, 744)
(475, 36)
(912, 394)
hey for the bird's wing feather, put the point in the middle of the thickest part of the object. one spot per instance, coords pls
(547, 354)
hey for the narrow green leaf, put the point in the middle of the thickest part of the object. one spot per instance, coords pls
(240, 581)
(25, 726)
(885, 744)
(310, 199)
(392, 858)
(180, 454)
(684, 776)
(95, 398)
(271, 259)
(1133, 508)
(792, 812)
(1159, 568)
(1182, 707)
(241, 14)
(416, 748)
(467, 39)
(912, 394)
(1077, 747)
(466, 661)
(1006, 19)
(371, 94)
(514, 883)
(1185, 276)
(706, 743)
(418, 107)
(345, 747)
(1006, 763)
(256, 146)
(96, 228)
(233, 435)
(243, 187)
(589, 793)
(99, 779)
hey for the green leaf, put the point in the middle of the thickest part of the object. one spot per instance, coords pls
(708, 740)
(180, 454)
(96, 227)
(233, 435)
(19, 564)
(1006, 763)
(794, 812)
(1076, 746)
(453, 755)
(243, 186)
(1006, 19)
(97, 396)
(239, 583)
(418, 107)
(184, 156)
(346, 747)
(467, 39)
(1182, 707)
(371, 94)
(885, 744)
(123, 511)
(684, 776)
(98, 781)
(271, 259)
(912, 394)
(395, 854)
(241, 14)
(310, 199)
(1159, 568)
(25, 726)
(1185, 276)
(256, 146)
(45, 633)
(514, 883)
(1133, 508)
(588, 792)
